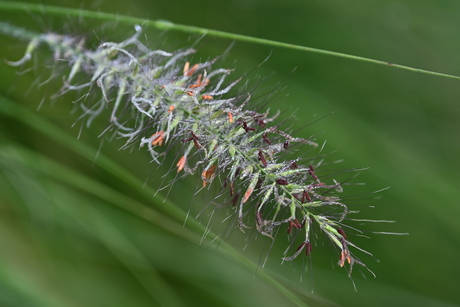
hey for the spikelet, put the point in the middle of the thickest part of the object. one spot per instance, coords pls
(159, 98)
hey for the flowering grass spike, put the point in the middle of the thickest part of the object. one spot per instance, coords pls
(166, 103)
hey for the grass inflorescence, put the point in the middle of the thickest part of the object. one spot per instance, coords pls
(165, 103)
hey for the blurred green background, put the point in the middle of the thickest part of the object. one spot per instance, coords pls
(78, 229)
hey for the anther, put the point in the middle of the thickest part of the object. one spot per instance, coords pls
(262, 158)
(247, 128)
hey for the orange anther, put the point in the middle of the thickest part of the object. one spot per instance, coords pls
(190, 93)
(180, 165)
(345, 255)
(198, 80)
(199, 83)
(247, 194)
(186, 67)
(191, 71)
(208, 174)
(230, 117)
(158, 138)
(171, 108)
(206, 97)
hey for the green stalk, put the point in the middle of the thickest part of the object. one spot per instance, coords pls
(166, 25)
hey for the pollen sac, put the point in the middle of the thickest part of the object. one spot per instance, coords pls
(181, 164)
(282, 181)
(208, 175)
(158, 138)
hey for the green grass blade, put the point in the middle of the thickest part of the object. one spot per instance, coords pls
(166, 25)
(31, 119)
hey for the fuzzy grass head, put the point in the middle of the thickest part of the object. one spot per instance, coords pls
(170, 105)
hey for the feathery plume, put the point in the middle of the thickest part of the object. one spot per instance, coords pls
(159, 98)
